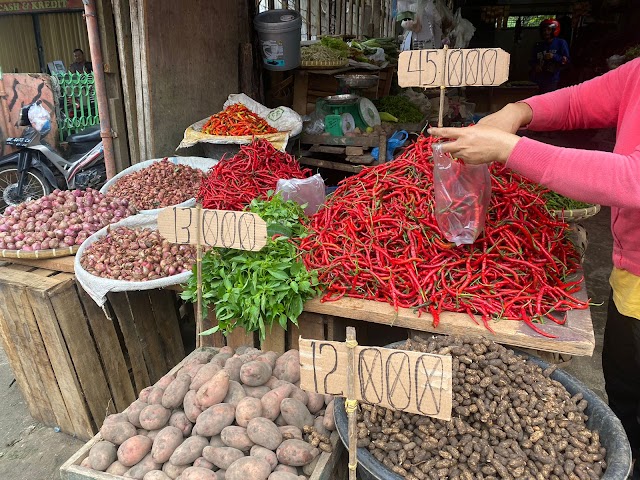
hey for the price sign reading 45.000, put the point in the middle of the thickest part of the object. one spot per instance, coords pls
(453, 67)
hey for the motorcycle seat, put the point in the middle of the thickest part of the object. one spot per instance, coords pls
(88, 135)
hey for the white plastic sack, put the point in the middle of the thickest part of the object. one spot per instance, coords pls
(201, 163)
(309, 191)
(40, 118)
(98, 287)
(462, 31)
(282, 119)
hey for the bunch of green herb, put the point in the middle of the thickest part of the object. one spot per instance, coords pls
(321, 53)
(254, 290)
(336, 44)
(400, 107)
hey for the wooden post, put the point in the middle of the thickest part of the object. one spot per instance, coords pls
(351, 404)
(442, 91)
(199, 318)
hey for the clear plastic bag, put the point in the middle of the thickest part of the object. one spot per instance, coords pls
(309, 191)
(40, 118)
(462, 193)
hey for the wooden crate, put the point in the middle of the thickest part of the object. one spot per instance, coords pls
(72, 363)
(330, 466)
(341, 151)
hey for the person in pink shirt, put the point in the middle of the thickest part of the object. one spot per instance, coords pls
(607, 178)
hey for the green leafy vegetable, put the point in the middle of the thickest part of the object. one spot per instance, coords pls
(400, 107)
(555, 201)
(254, 290)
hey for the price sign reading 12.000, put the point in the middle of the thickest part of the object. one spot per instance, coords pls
(453, 67)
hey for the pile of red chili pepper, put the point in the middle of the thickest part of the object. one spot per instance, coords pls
(237, 120)
(377, 239)
(251, 173)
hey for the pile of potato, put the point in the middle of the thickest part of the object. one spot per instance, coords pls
(510, 420)
(230, 416)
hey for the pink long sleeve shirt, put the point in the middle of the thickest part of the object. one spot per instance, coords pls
(613, 179)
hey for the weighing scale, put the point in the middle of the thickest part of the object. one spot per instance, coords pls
(346, 112)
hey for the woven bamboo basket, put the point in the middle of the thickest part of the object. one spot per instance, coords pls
(576, 215)
(40, 254)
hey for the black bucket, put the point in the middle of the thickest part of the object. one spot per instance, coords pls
(601, 420)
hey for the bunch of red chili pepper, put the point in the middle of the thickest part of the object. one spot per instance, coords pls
(377, 239)
(237, 120)
(251, 173)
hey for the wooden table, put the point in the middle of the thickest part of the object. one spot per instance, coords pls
(576, 337)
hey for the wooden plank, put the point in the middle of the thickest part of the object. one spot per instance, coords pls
(275, 339)
(576, 337)
(75, 330)
(240, 337)
(339, 24)
(310, 326)
(21, 360)
(300, 87)
(164, 311)
(315, 162)
(354, 150)
(122, 310)
(43, 364)
(20, 268)
(318, 18)
(350, 17)
(152, 349)
(358, 141)
(110, 351)
(327, 149)
(62, 264)
(61, 362)
(360, 159)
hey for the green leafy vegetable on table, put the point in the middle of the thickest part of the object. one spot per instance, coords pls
(254, 290)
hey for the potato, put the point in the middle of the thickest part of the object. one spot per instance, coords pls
(155, 397)
(281, 475)
(256, 392)
(327, 399)
(248, 468)
(154, 417)
(202, 357)
(268, 357)
(142, 431)
(204, 375)
(133, 450)
(233, 366)
(174, 394)
(153, 433)
(173, 471)
(216, 441)
(156, 475)
(221, 359)
(280, 421)
(101, 455)
(116, 418)
(255, 373)
(310, 467)
(145, 466)
(288, 366)
(290, 432)
(227, 349)
(315, 402)
(189, 450)
(204, 463)
(118, 432)
(198, 473)
(165, 381)
(214, 390)
(166, 441)
(144, 394)
(116, 468)
(191, 409)
(273, 382)
(222, 457)
(264, 432)
(247, 409)
(318, 424)
(179, 420)
(235, 393)
(286, 469)
(295, 413)
(236, 437)
(214, 419)
(242, 348)
(271, 401)
(329, 420)
(221, 474)
(296, 453)
(265, 454)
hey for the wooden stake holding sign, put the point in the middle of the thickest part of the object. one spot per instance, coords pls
(455, 67)
(211, 228)
(413, 382)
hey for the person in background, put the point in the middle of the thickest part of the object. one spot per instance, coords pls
(79, 64)
(549, 56)
(607, 178)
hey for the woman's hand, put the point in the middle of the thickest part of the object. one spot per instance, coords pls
(477, 144)
(510, 118)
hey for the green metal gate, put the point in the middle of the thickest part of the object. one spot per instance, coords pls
(78, 108)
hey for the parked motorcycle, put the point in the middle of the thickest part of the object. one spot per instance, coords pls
(37, 169)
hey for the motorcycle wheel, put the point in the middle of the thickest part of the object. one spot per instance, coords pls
(35, 186)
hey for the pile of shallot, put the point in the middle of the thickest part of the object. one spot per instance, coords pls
(136, 254)
(161, 184)
(61, 219)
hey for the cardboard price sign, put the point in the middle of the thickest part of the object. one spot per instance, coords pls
(398, 379)
(217, 228)
(455, 67)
